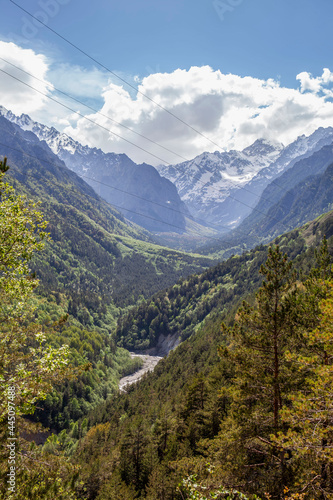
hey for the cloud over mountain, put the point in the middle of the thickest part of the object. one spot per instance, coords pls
(14, 95)
(232, 111)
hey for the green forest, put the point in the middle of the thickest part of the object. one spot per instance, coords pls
(241, 409)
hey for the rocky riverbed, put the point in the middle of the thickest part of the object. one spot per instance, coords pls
(149, 363)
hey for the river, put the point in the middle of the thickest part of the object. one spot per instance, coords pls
(149, 363)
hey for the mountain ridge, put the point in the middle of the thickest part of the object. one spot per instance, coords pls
(138, 191)
(95, 258)
(223, 188)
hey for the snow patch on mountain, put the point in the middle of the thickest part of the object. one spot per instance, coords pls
(220, 189)
(211, 177)
(223, 187)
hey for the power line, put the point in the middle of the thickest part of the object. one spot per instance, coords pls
(108, 130)
(128, 128)
(131, 86)
(119, 77)
(126, 192)
(118, 189)
(80, 114)
(134, 88)
(152, 202)
(112, 204)
(95, 110)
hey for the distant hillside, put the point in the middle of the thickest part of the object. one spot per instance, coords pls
(96, 259)
(300, 194)
(178, 312)
(306, 201)
(315, 164)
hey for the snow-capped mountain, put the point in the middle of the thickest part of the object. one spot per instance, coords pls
(57, 141)
(138, 191)
(218, 189)
(222, 188)
(213, 174)
(302, 147)
(205, 182)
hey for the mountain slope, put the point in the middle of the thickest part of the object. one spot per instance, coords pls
(306, 201)
(95, 259)
(138, 191)
(205, 182)
(175, 314)
(223, 188)
(314, 164)
(178, 417)
(270, 217)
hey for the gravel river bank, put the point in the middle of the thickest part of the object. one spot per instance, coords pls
(149, 363)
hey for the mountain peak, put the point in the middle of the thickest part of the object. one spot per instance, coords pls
(3, 110)
(263, 147)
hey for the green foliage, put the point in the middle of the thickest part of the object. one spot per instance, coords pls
(96, 260)
(261, 336)
(196, 408)
(41, 476)
(106, 364)
(263, 377)
(191, 489)
(309, 417)
(261, 413)
(28, 366)
(182, 308)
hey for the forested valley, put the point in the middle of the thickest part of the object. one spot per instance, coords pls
(241, 409)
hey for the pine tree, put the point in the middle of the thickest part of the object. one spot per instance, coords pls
(263, 377)
(310, 416)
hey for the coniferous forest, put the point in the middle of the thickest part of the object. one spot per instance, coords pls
(166, 250)
(241, 409)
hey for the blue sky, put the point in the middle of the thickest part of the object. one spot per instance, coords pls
(262, 40)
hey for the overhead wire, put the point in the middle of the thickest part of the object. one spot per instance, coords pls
(123, 80)
(143, 94)
(101, 126)
(130, 85)
(111, 204)
(95, 110)
(79, 114)
(241, 188)
(117, 76)
(206, 237)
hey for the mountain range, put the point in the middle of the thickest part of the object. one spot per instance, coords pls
(221, 189)
(215, 190)
(300, 194)
(119, 289)
(97, 260)
(138, 191)
(238, 194)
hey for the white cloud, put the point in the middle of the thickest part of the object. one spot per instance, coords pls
(77, 81)
(82, 83)
(232, 111)
(316, 85)
(14, 95)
